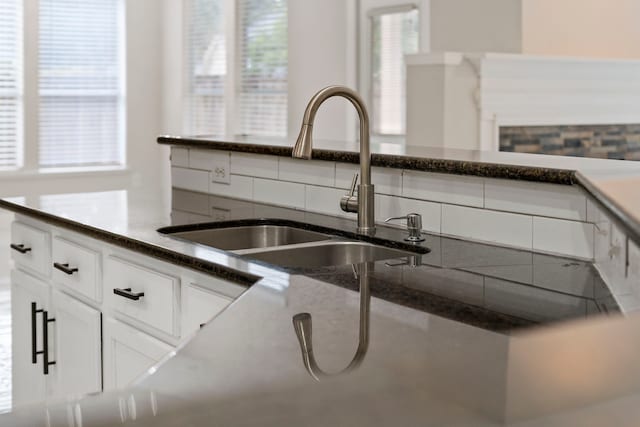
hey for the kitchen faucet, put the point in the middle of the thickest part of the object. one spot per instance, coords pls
(363, 202)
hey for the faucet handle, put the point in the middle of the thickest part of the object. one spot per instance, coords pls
(349, 202)
(354, 185)
(414, 226)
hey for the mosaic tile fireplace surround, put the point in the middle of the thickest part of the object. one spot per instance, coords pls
(598, 141)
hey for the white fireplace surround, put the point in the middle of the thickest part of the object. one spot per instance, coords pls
(461, 100)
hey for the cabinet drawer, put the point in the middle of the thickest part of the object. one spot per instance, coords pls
(76, 267)
(30, 248)
(143, 294)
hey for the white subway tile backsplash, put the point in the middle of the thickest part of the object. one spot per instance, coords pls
(315, 172)
(558, 201)
(256, 165)
(388, 206)
(180, 157)
(445, 188)
(209, 159)
(633, 270)
(594, 214)
(344, 174)
(325, 200)
(278, 192)
(543, 217)
(563, 237)
(387, 181)
(487, 226)
(190, 179)
(239, 187)
(197, 203)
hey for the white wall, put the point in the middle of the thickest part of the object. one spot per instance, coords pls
(322, 52)
(145, 61)
(441, 106)
(590, 28)
(476, 25)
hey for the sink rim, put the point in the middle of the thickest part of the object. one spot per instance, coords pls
(394, 253)
(251, 237)
(334, 233)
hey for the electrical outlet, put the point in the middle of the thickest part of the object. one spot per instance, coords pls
(220, 169)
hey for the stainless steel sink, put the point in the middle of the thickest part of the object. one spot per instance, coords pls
(327, 254)
(248, 237)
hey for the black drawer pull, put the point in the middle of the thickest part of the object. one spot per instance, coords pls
(65, 268)
(45, 342)
(34, 343)
(20, 248)
(126, 292)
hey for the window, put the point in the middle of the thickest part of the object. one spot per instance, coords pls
(262, 97)
(207, 68)
(394, 33)
(80, 92)
(10, 83)
(236, 85)
(72, 68)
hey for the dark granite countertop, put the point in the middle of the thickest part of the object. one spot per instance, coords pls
(449, 342)
(614, 184)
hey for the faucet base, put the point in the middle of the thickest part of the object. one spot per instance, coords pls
(366, 211)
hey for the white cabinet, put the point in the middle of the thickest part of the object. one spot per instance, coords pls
(72, 339)
(77, 347)
(31, 248)
(28, 295)
(128, 353)
(200, 306)
(143, 294)
(110, 313)
(76, 267)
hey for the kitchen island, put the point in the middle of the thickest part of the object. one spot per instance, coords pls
(436, 360)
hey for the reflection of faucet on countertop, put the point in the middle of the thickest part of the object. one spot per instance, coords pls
(362, 203)
(302, 326)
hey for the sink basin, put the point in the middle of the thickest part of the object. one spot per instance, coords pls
(248, 237)
(328, 254)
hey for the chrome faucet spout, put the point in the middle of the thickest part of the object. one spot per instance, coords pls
(363, 203)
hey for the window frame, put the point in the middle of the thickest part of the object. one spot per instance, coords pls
(232, 82)
(29, 125)
(368, 10)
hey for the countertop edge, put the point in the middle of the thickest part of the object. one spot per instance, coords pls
(154, 251)
(458, 167)
(621, 216)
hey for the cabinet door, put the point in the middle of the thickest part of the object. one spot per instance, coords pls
(199, 306)
(76, 347)
(28, 381)
(128, 353)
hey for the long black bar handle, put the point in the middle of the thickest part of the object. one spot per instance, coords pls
(45, 342)
(34, 333)
(65, 268)
(20, 248)
(126, 292)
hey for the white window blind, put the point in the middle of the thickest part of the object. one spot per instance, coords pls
(262, 63)
(81, 100)
(10, 82)
(393, 36)
(206, 67)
